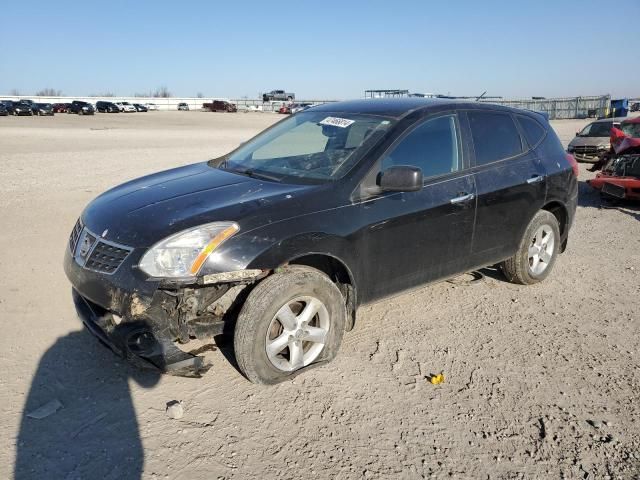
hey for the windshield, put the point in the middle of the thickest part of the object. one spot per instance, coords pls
(597, 129)
(631, 129)
(310, 145)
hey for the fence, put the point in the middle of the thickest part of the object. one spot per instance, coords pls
(556, 108)
(561, 108)
(168, 103)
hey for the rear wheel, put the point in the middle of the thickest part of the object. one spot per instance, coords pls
(537, 252)
(291, 320)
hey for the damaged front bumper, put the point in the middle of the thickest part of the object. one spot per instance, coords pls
(144, 321)
(137, 342)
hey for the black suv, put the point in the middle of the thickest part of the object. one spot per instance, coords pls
(81, 108)
(107, 107)
(281, 241)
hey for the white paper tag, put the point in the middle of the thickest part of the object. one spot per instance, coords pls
(337, 122)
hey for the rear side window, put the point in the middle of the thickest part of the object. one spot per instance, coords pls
(495, 136)
(432, 146)
(532, 130)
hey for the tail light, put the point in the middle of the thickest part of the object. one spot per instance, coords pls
(574, 164)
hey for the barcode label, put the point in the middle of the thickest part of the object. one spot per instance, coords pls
(337, 122)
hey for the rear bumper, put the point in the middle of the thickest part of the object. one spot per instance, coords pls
(627, 188)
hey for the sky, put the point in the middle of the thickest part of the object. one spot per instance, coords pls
(322, 49)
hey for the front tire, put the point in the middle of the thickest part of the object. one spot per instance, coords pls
(537, 252)
(291, 320)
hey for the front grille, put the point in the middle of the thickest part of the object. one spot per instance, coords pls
(106, 258)
(75, 236)
(586, 149)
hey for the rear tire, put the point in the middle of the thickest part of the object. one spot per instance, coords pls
(289, 321)
(537, 252)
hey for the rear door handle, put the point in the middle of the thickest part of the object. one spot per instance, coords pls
(463, 199)
(535, 179)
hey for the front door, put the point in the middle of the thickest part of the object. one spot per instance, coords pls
(415, 237)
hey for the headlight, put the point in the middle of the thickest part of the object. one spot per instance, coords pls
(604, 147)
(183, 254)
(570, 149)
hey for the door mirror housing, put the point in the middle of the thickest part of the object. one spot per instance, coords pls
(401, 178)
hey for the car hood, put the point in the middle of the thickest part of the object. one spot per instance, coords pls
(141, 212)
(589, 141)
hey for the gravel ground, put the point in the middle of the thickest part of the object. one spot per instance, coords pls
(540, 381)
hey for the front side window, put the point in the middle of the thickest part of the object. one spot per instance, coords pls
(495, 136)
(431, 146)
(316, 146)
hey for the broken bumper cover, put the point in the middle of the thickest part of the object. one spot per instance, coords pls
(118, 310)
(137, 341)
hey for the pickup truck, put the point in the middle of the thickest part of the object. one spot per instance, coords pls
(277, 95)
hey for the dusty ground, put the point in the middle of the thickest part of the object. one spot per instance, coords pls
(541, 382)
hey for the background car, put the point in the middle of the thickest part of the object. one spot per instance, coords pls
(277, 95)
(107, 107)
(220, 106)
(151, 106)
(60, 107)
(285, 109)
(3, 110)
(183, 106)
(42, 109)
(126, 107)
(140, 108)
(18, 108)
(593, 140)
(81, 108)
(299, 107)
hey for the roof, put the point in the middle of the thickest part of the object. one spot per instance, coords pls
(604, 120)
(631, 120)
(398, 107)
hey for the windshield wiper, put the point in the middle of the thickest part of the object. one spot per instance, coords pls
(253, 174)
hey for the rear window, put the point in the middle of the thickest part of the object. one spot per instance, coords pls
(495, 136)
(532, 130)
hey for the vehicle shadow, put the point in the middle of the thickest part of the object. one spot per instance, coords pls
(89, 429)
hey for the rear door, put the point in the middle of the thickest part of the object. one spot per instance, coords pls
(510, 182)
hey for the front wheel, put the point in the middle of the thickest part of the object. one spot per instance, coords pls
(537, 252)
(291, 320)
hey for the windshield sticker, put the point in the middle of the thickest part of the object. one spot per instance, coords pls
(337, 122)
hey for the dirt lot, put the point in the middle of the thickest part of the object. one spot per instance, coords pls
(541, 381)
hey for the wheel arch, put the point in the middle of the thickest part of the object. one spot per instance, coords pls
(338, 271)
(559, 210)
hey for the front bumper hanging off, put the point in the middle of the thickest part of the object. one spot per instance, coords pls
(138, 341)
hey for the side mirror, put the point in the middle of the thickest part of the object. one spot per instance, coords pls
(577, 134)
(401, 178)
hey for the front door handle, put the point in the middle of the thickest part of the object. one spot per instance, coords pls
(463, 199)
(535, 179)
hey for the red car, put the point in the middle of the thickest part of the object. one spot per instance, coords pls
(286, 109)
(620, 176)
(60, 107)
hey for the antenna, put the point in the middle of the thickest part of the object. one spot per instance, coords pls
(482, 95)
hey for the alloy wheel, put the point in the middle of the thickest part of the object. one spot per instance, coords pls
(541, 249)
(297, 333)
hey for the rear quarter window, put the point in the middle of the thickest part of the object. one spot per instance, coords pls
(495, 136)
(532, 130)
